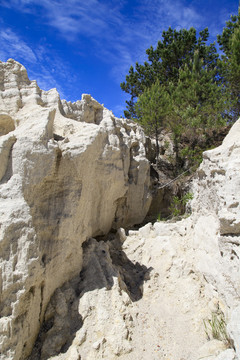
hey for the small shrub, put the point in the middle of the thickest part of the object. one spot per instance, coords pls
(159, 217)
(178, 205)
(166, 145)
(216, 328)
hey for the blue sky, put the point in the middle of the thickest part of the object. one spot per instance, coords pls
(87, 46)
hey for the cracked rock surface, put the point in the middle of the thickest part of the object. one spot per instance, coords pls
(147, 295)
(67, 172)
(74, 285)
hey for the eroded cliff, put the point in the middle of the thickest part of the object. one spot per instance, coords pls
(73, 284)
(68, 172)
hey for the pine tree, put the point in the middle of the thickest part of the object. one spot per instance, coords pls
(199, 104)
(185, 88)
(176, 49)
(229, 42)
(151, 109)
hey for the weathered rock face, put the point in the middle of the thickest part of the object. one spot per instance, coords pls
(71, 290)
(67, 172)
(147, 295)
(216, 221)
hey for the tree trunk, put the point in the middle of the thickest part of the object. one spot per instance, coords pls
(157, 144)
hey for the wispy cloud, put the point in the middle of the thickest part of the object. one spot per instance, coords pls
(128, 41)
(107, 22)
(42, 64)
(72, 17)
(11, 45)
(116, 37)
(112, 34)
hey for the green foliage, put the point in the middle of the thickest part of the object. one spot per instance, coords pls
(178, 205)
(175, 50)
(159, 217)
(198, 106)
(186, 88)
(194, 156)
(224, 39)
(229, 42)
(216, 328)
(188, 108)
(166, 145)
(152, 108)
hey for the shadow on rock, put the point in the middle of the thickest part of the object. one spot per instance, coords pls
(131, 275)
(103, 260)
(61, 322)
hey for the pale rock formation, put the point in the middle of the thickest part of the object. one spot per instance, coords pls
(68, 172)
(143, 298)
(216, 219)
(148, 294)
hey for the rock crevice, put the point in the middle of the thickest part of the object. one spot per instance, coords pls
(73, 284)
(63, 167)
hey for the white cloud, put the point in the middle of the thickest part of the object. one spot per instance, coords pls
(111, 34)
(46, 80)
(116, 37)
(119, 109)
(13, 46)
(71, 17)
(41, 62)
